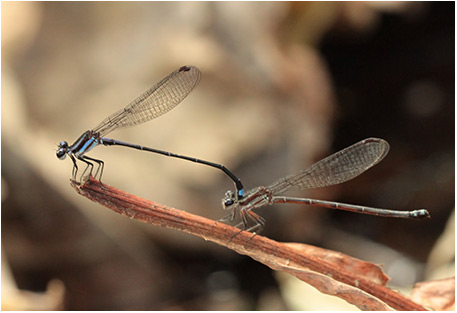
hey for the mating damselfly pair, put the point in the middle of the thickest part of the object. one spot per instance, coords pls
(169, 92)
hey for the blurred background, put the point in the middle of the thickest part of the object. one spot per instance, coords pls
(284, 84)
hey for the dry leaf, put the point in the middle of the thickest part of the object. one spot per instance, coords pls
(438, 295)
(364, 269)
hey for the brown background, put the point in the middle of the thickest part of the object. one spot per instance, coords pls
(284, 84)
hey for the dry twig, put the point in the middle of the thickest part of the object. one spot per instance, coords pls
(359, 283)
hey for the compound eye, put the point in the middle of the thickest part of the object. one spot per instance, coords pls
(62, 151)
(61, 154)
(228, 202)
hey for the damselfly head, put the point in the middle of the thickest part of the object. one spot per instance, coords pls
(62, 151)
(228, 200)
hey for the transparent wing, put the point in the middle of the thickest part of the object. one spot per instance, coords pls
(339, 167)
(157, 100)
